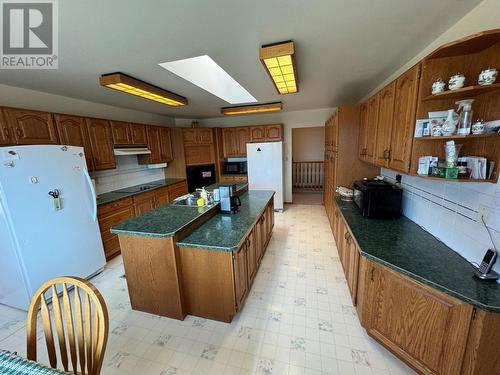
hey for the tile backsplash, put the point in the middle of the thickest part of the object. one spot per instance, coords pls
(128, 172)
(449, 211)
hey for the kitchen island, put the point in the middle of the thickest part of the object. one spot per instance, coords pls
(195, 260)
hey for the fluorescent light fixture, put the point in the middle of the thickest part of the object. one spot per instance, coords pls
(280, 65)
(204, 72)
(133, 86)
(247, 109)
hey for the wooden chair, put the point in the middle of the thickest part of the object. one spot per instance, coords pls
(87, 318)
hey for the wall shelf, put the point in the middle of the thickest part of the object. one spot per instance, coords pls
(464, 92)
(492, 181)
(457, 136)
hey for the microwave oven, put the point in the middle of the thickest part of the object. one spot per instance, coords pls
(235, 167)
(378, 199)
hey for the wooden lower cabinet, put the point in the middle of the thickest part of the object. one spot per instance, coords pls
(162, 196)
(228, 179)
(109, 215)
(426, 328)
(252, 258)
(177, 190)
(240, 274)
(144, 202)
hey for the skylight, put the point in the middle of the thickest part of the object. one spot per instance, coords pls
(207, 74)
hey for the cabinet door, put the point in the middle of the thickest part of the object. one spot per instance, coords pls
(251, 256)
(385, 113)
(110, 215)
(404, 119)
(177, 190)
(274, 133)
(228, 142)
(426, 328)
(257, 134)
(139, 134)
(198, 154)
(154, 144)
(363, 128)
(371, 124)
(205, 136)
(144, 202)
(166, 145)
(73, 132)
(227, 179)
(240, 179)
(5, 131)
(122, 133)
(189, 136)
(31, 127)
(240, 274)
(242, 138)
(101, 142)
(162, 196)
(352, 269)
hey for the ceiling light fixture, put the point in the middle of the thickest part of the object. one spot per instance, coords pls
(256, 108)
(130, 85)
(204, 72)
(280, 65)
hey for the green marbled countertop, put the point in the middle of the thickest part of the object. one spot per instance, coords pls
(226, 232)
(167, 220)
(404, 246)
(116, 195)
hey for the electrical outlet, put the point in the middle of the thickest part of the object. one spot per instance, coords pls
(482, 213)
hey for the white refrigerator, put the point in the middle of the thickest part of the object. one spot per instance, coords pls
(265, 169)
(43, 237)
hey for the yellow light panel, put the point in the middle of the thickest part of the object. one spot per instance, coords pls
(130, 85)
(259, 108)
(279, 62)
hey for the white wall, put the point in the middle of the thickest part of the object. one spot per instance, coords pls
(484, 16)
(308, 144)
(290, 120)
(11, 96)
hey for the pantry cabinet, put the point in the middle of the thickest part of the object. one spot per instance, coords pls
(426, 328)
(73, 132)
(384, 125)
(101, 142)
(31, 127)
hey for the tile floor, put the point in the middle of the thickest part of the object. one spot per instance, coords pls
(308, 198)
(298, 318)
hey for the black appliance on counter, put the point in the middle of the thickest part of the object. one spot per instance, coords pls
(199, 176)
(229, 202)
(378, 199)
(235, 167)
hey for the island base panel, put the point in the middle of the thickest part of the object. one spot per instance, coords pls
(208, 283)
(151, 268)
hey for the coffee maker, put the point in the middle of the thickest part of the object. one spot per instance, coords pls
(229, 202)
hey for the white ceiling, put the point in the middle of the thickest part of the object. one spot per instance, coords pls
(343, 47)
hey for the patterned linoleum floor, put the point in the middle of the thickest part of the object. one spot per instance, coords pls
(298, 318)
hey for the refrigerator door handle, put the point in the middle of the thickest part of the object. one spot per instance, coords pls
(94, 195)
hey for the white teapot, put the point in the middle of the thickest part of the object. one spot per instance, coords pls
(438, 86)
(456, 82)
(487, 76)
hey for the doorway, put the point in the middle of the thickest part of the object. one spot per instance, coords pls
(308, 152)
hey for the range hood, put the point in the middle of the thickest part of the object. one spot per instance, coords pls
(123, 151)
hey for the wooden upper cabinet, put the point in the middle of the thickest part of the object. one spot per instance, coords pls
(426, 328)
(73, 132)
(371, 126)
(205, 136)
(101, 141)
(31, 127)
(363, 128)
(122, 133)
(5, 132)
(229, 142)
(189, 136)
(274, 132)
(242, 137)
(154, 144)
(166, 152)
(257, 134)
(384, 127)
(404, 119)
(139, 134)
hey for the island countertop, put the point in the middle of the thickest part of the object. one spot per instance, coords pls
(404, 246)
(226, 232)
(167, 220)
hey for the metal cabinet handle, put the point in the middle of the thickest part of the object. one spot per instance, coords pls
(345, 235)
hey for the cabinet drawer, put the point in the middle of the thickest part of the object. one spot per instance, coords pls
(107, 208)
(113, 218)
(144, 196)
